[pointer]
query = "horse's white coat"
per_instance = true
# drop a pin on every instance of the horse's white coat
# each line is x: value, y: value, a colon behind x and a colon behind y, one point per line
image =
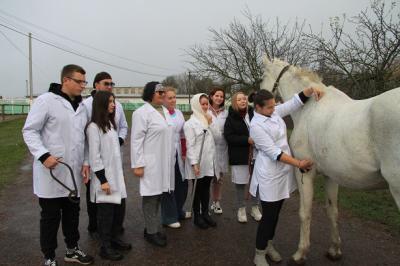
x: 353, y: 143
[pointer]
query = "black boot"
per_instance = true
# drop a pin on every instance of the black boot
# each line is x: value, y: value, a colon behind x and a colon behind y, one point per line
x: 160, y: 234
x: 207, y: 218
x: 118, y: 244
x: 155, y: 239
x: 109, y: 253
x: 199, y: 221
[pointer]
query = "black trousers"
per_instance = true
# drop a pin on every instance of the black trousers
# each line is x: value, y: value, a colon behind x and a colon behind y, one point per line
x: 109, y: 221
x: 180, y: 192
x: 267, y: 225
x: 53, y: 211
x: 202, y: 194
x: 91, y: 210
x: 169, y: 212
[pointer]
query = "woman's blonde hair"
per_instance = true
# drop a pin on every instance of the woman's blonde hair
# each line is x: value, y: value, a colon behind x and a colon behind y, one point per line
x: 169, y: 88
x: 234, y: 100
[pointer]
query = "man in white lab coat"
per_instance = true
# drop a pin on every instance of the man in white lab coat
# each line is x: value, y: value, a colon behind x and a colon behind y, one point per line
x: 53, y: 132
x: 103, y: 82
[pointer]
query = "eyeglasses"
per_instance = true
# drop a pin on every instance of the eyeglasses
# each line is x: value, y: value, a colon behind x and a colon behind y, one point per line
x: 109, y: 84
x: 160, y: 92
x: 80, y: 82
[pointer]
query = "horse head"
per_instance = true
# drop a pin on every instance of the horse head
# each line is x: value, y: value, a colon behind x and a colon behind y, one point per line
x: 284, y: 79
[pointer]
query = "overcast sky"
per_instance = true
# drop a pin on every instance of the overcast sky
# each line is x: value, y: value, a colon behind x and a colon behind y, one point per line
x: 148, y: 31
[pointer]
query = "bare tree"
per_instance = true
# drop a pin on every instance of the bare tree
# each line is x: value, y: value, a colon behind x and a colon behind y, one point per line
x: 186, y: 84
x: 365, y: 59
x: 234, y: 55
x: 172, y: 81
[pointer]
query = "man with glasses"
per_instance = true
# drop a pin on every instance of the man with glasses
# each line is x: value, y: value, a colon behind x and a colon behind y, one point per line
x: 103, y: 82
x: 54, y: 132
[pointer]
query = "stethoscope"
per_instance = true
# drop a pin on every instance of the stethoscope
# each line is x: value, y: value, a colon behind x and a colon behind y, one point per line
x: 73, y: 193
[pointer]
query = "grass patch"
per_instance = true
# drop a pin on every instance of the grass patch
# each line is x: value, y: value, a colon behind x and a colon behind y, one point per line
x: 12, y: 149
x: 128, y: 116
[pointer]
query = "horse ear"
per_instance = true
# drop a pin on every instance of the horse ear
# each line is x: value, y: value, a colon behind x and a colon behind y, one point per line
x: 266, y: 60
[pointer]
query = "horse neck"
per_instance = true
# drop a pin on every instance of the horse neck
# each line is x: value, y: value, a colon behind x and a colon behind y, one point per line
x: 290, y: 85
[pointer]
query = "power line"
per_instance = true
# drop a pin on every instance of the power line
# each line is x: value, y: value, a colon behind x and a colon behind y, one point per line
x: 22, y: 52
x: 84, y: 56
x: 86, y: 45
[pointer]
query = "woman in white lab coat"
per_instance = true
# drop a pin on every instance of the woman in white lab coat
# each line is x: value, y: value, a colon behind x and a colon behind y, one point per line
x: 172, y: 202
x: 200, y: 158
x: 152, y: 153
x: 218, y: 113
x: 103, y: 82
x: 273, y: 175
x: 108, y: 190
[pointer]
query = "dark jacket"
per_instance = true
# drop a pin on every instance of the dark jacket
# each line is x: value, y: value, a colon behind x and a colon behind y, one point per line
x: 236, y: 134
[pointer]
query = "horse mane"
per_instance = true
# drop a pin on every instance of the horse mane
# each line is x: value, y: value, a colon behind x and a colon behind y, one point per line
x: 307, y: 74
x: 300, y: 73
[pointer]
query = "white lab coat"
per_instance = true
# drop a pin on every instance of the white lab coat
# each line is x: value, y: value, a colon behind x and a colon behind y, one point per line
x: 53, y: 126
x: 178, y: 120
x: 221, y: 147
x: 152, y: 147
x: 104, y: 153
x: 120, y: 122
x: 120, y: 119
x: 194, y: 133
x: 274, y: 180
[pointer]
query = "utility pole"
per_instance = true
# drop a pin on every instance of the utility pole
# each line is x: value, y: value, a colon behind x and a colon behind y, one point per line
x: 30, y: 70
x: 27, y: 88
x: 189, y: 87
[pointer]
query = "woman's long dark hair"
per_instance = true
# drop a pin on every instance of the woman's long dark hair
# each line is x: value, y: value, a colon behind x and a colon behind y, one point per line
x: 100, y: 115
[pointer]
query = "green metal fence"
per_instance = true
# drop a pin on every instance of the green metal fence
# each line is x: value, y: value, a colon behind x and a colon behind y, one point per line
x: 133, y: 106
x: 8, y: 108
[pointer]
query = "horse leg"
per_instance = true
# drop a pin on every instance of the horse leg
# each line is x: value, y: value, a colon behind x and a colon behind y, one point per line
x: 306, y: 190
x: 395, y: 191
x: 390, y: 173
x: 331, y: 189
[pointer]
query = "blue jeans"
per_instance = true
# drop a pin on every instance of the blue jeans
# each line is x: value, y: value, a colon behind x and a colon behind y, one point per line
x: 172, y: 202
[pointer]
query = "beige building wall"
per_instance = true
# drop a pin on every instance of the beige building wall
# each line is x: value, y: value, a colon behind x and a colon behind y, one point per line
x: 119, y: 91
x: 133, y: 95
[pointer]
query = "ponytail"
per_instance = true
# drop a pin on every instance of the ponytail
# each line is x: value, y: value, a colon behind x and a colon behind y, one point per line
x: 260, y: 97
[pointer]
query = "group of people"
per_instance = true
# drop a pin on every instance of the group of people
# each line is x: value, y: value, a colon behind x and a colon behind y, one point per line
x: 166, y: 152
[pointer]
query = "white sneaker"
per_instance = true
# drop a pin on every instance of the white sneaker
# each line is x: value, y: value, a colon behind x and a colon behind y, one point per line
x: 241, y: 215
x: 216, y: 207
x: 50, y: 262
x: 255, y: 213
x: 188, y: 215
x: 272, y: 253
x: 259, y: 258
x: 174, y: 225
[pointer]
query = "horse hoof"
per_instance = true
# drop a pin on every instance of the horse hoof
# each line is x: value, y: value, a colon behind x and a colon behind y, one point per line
x: 335, y: 257
x: 293, y: 262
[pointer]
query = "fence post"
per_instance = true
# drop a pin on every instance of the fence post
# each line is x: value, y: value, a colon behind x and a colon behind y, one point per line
x: 2, y: 112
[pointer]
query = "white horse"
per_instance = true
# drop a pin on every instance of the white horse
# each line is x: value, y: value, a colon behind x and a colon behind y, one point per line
x: 353, y: 143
